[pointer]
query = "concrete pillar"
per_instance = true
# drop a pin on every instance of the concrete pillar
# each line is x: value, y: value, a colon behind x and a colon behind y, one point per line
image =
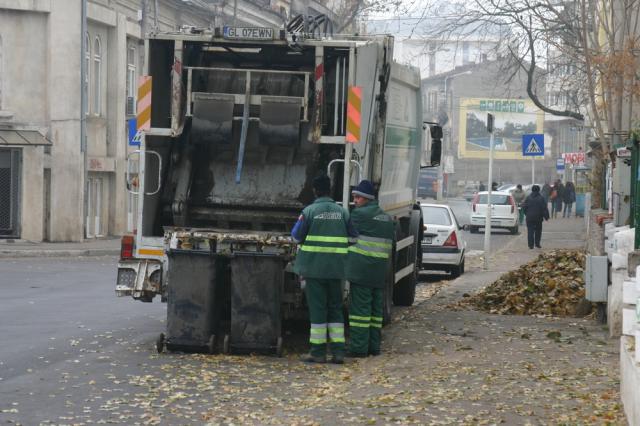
x: 67, y: 160
x: 32, y: 193
x: 117, y: 132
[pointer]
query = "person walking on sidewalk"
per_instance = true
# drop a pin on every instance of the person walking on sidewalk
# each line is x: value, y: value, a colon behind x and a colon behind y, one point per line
x: 322, y: 230
x: 569, y: 198
x: 367, y: 267
x: 557, y: 195
x: 519, y: 196
x: 546, y: 192
x: 536, y: 211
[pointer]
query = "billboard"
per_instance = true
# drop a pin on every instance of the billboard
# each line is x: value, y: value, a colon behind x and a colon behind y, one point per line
x: 513, y: 118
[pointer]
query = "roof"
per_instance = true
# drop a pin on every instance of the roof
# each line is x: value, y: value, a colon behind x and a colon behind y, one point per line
x: 22, y: 137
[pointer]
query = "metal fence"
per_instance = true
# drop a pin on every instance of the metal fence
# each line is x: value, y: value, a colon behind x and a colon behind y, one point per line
x: 9, y: 193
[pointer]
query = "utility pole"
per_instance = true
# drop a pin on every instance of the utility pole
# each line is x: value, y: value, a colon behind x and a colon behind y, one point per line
x: 84, y: 88
x: 487, y: 223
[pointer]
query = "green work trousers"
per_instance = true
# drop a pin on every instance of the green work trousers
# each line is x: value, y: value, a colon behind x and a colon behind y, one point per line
x: 324, y: 297
x: 365, y: 319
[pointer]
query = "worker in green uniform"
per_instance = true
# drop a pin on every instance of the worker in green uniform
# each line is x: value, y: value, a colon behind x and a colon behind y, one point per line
x: 367, y: 268
x: 322, y: 230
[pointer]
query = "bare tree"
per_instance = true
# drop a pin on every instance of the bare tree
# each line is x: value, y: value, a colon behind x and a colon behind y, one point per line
x: 587, y: 47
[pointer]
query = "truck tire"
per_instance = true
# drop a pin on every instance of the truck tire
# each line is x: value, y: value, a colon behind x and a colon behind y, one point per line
x: 404, y: 293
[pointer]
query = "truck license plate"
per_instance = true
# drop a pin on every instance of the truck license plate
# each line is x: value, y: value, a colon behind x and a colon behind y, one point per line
x: 247, y: 33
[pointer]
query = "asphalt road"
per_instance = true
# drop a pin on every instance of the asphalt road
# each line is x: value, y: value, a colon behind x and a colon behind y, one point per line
x: 62, y: 330
x: 462, y: 209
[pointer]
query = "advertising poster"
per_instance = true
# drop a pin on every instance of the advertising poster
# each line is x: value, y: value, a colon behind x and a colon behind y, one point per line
x: 513, y: 118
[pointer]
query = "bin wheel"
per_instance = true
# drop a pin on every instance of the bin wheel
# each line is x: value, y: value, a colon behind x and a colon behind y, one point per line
x: 225, y: 344
x: 279, y: 347
x: 160, y: 343
x: 211, y: 344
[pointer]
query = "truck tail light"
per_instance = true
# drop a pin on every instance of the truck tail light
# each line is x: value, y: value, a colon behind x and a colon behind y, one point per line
x: 452, y: 241
x: 127, y: 245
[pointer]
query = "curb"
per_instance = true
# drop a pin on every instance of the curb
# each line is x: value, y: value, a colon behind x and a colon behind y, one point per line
x: 8, y: 254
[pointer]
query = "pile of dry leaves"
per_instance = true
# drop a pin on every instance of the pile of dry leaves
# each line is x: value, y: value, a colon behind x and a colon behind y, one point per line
x: 552, y: 284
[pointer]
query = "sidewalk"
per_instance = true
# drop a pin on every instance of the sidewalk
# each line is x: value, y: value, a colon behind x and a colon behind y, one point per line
x: 22, y: 248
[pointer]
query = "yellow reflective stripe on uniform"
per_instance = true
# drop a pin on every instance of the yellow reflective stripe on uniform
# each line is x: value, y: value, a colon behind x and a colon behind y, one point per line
x: 374, y: 244
x: 320, y: 249
x: 326, y: 239
x: 358, y: 250
x: 356, y: 317
x: 376, y: 319
x: 374, y: 325
x: 375, y: 239
x: 318, y: 333
x: 318, y: 341
x: 336, y: 340
x: 358, y: 324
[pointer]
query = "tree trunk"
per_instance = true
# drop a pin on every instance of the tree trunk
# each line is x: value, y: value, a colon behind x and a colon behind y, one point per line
x: 597, y: 182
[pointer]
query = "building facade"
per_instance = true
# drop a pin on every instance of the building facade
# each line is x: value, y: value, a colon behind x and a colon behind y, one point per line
x: 455, y: 99
x: 53, y: 186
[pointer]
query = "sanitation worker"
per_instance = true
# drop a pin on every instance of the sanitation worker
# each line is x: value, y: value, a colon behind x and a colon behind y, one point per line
x: 322, y: 230
x: 367, y: 266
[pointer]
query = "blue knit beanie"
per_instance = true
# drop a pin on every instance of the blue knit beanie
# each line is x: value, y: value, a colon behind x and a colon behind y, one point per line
x: 365, y: 190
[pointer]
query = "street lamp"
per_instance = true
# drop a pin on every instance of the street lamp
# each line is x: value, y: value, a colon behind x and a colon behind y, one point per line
x: 447, y: 149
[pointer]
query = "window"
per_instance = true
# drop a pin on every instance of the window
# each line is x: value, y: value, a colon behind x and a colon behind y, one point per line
x: 495, y: 199
x: 436, y: 216
x: 131, y: 81
x: 87, y: 68
x: 465, y: 52
x: 97, y: 77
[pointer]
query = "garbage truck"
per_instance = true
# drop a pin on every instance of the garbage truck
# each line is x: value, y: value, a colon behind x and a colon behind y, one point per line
x: 239, y: 123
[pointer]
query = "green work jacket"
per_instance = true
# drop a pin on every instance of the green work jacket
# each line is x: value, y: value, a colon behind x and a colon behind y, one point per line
x: 369, y: 259
x: 323, y: 252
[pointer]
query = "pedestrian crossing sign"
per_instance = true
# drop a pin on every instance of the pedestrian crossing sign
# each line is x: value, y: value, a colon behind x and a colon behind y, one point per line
x: 533, y: 145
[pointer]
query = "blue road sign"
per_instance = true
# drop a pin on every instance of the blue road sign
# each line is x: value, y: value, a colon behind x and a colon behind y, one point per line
x: 132, y: 131
x: 560, y: 164
x: 533, y: 145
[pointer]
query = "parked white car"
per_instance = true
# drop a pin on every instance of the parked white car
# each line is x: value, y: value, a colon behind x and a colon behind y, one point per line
x: 443, y: 245
x: 504, y: 213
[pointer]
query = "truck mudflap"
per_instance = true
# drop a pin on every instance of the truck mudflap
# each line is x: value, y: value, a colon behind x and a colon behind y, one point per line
x: 139, y: 278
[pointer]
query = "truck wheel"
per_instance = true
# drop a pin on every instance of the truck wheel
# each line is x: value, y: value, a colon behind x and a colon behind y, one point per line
x: 404, y: 292
x: 225, y: 345
x: 160, y: 343
x: 211, y: 344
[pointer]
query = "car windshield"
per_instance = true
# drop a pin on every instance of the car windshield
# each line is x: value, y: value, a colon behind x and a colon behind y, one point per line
x: 495, y: 199
x: 505, y: 186
x: 436, y: 215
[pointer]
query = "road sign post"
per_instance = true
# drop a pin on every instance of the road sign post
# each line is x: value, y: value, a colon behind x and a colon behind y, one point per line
x: 533, y: 146
x: 487, y: 223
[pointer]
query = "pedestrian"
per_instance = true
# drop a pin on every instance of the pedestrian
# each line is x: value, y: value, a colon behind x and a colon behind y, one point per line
x: 559, y: 188
x: 367, y: 266
x: 494, y: 186
x: 569, y: 198
x: 546, y: 192
x: 322, y: 230
x: 481, y: 187
x: 536, y: 211
x: 519, y: 196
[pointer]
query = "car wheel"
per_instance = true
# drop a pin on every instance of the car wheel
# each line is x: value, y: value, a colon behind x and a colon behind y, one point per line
x: 457, y: 270
x: 514, y: 230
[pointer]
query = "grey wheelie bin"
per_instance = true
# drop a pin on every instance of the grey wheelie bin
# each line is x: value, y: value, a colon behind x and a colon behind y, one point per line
x: 192, y: 314
x: 256, y: 296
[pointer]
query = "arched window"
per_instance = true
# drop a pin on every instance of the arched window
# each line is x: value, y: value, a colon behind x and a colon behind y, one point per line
x: 97, y: 77
x: 87, y: 66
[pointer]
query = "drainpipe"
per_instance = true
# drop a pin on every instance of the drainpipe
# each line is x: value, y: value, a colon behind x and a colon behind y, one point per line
x: 83, y: 116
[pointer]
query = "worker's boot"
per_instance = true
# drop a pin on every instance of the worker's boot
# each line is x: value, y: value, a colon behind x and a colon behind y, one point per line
x: 314, y: 359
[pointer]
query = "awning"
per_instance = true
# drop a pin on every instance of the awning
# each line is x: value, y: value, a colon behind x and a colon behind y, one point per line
x: 22, y: 137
